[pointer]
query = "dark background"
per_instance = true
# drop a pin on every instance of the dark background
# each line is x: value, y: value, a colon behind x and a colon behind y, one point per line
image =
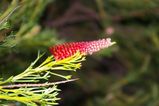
x: 126, y: 74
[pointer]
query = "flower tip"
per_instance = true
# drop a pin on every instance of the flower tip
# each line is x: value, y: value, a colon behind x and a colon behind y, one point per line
x: 68, y: 49
x: 113, y: 43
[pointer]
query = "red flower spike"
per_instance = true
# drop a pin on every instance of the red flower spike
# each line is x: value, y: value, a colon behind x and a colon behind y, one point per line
x: 68, y: 49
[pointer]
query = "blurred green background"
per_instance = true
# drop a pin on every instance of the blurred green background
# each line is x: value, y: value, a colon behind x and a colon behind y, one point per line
x: 126, y: 74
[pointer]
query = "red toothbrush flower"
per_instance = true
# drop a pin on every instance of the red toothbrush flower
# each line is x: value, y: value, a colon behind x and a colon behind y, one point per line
x: 68, y: 49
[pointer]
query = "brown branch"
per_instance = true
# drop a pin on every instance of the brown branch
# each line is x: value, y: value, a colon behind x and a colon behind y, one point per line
x: 136, y: 14
x: 76, y: 13
x: 38, y: 85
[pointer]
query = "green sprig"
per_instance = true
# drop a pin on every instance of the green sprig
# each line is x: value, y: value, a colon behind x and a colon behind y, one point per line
x: 29, y: 91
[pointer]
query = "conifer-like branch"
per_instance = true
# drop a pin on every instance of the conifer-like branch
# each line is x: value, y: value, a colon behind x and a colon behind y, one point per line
x: 30, y: 93
x: 38, y: 85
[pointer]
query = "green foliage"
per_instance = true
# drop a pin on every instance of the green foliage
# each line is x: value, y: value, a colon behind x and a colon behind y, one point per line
x: 31, y: 96
x: 19, y: 29
x: 27, y: 25
x: 125, y: 75
x: 29, y: 90
x: 5, y: 25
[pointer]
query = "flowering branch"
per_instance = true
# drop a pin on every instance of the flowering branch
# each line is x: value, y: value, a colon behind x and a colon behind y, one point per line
x: 29, y: 91
x: 67, y: 57
x: 68, y: 49
x: 46, y: 68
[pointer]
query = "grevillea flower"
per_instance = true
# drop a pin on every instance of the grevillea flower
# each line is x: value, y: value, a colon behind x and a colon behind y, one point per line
x: 62, y: 51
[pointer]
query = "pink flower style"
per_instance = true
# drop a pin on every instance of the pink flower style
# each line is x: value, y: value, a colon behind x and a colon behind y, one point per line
x: 65, y: 50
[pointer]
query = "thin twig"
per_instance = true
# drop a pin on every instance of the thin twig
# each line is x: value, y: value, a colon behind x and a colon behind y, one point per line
x: 38, y: 85
x: 5, y: 18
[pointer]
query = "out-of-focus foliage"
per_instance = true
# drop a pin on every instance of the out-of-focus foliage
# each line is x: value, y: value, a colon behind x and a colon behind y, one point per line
x: 23, y: 16
x: 125, y: 75
x: 135, y: 62
x: 128, y: 73
x: 21, y: 33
